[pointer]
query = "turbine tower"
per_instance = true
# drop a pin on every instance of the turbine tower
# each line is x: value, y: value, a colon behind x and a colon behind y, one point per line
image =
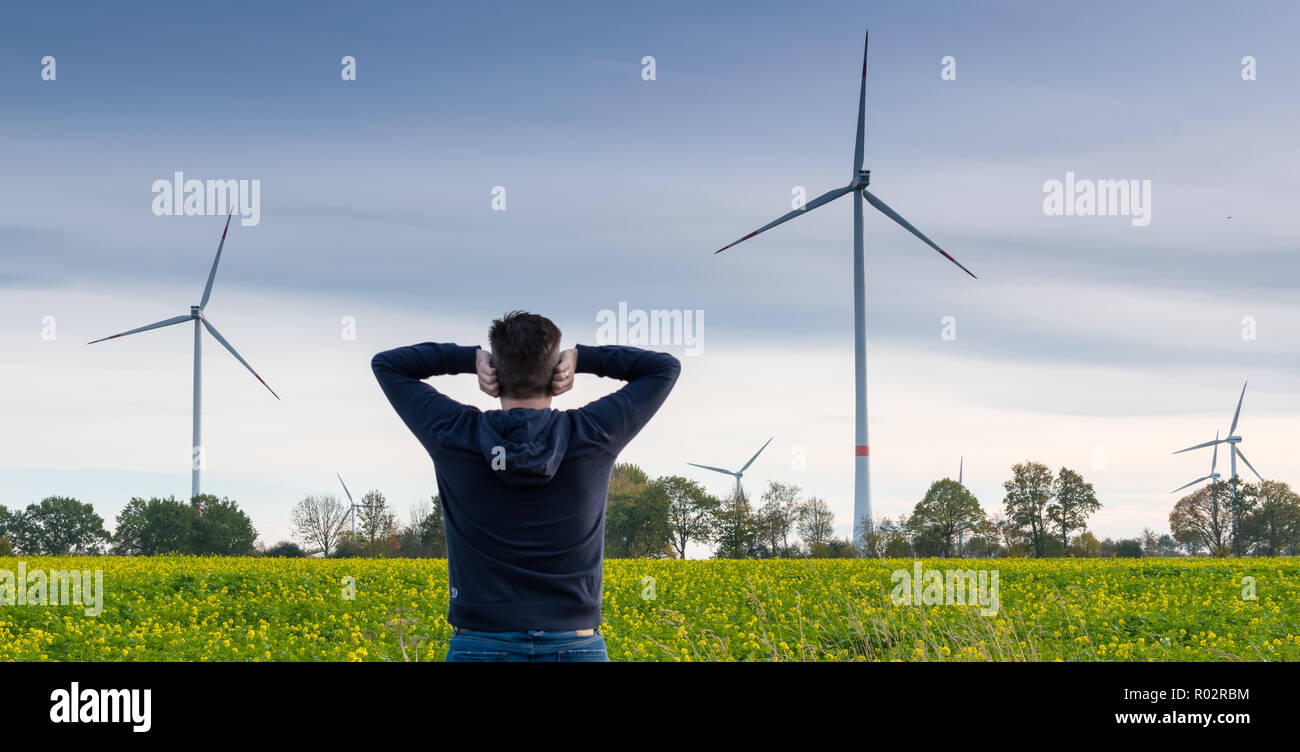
x: 858, y: 188
x: 740, y: 492
x: 200, y: 323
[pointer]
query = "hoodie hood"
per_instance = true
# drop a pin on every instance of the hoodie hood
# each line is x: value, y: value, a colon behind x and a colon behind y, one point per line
x: 531, y: 443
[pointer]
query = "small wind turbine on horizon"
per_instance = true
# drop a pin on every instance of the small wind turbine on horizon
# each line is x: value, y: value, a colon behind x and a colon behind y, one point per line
x: 352, y: 505
x: 858, y: 187
x: 200, y: 323
x: 740, y: 492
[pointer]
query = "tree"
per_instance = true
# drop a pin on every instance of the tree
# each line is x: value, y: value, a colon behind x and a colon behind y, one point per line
x: 285, y: 549
x: 1085, y: 544
x: 1128, y: 548
x: 778, y: 515
x: 945, y: 516
x: 691, y: 512
x: 1028, y: 493
x: 1204, y: 518
x: 376, y: 521
x: 155, y: 526
x: 627, y: 479
x: 637, y: 521
x: 1073, y: 501
x: 58, y: 526
x: 733, y: 528
x: 222, y: 528
x: 318, y: 522
x: 816, y: 523
x: 1273, y: 525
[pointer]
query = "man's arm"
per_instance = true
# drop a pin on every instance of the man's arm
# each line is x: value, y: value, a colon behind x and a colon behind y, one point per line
x: 650, y: 377
x: 425, y: 410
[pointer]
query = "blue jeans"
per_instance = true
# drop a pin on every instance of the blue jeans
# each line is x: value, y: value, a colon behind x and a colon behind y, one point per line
x: 532, y: 646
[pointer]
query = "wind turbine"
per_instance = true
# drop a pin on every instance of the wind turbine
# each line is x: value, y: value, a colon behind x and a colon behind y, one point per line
x: 858, y: 188
x: 739, y: 473
x: 1213, y: 476
x: 1234, y: 451
x: 352, y: 505
x: 961, y: 465
x: 200, y: 323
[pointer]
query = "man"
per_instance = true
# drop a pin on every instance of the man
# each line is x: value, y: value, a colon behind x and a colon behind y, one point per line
x: 523, y: 488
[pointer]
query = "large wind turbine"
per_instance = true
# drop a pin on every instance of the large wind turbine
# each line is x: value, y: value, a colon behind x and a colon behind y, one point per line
x: 1234, y: 451
x: 739, y: 473
x: 858, y: 188
x: 200, y: 322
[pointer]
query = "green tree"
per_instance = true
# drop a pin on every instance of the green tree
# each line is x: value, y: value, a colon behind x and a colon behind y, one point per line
x: 637, y: 520
x: 627, y: 479
x: 154, y: 526
x: 59, y: 526
x: 222, y: 528
x: 692, y: 512
x: 1028, y: 493
x: 376, y: 521
x: 1273, y: 524
x: 947, y: 514
x: 1073, y: 501
x: 734, y: 528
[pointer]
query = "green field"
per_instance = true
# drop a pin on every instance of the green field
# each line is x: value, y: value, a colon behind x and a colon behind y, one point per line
x: 237, y: 609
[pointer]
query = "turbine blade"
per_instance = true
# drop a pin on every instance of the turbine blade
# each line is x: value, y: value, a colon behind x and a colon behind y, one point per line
x: 1252, y: 467
x: 826, y: 197
x: 884, y: 208
x: 212, y: 275
x: 1237, y: 414
x: 714, y: 469
x: 345, y: 488
x: 158, y: 325
x: 1198, y: 480
x: 1201, y: 446
x: 1215, y: 461
x: 751, y: 459
x: 862, y: 111
x: 213, y: 331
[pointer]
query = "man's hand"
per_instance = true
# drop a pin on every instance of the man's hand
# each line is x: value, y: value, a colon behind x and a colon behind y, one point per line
x: 487, y: 375
x: 562, y: 378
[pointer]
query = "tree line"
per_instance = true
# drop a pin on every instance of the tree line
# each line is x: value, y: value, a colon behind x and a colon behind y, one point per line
x: 64, y: 526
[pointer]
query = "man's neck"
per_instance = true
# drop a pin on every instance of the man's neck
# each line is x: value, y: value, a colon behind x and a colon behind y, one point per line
x: 532, y: 403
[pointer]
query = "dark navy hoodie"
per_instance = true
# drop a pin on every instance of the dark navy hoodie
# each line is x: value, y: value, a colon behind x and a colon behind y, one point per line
x: 523, y: 491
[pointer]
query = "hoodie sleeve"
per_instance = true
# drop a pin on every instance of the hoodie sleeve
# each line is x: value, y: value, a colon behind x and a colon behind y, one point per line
x: 425, y: 410
x: 650, y: 376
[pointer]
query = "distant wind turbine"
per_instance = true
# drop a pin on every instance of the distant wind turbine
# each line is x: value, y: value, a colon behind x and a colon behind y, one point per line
x: 739, y: 473
x: 352, y: 505
x: 1232, y: 440
x: 200, y: 323
x: 960, y: 467
x: 858, y: 187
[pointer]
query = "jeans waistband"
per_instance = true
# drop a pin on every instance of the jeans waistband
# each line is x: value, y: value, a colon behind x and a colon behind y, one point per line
x: 524, y: 632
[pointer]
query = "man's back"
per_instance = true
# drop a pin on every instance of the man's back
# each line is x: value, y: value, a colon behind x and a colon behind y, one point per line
x: 523, y: 490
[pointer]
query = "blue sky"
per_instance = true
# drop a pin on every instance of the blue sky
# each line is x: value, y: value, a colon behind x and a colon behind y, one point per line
x: 1081, y: 333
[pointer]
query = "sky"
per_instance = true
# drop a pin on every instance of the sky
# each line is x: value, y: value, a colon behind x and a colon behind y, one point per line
x: 1087, y: 341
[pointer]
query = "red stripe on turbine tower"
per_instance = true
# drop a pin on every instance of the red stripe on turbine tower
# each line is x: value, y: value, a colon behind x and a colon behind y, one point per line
x: 862, y: 450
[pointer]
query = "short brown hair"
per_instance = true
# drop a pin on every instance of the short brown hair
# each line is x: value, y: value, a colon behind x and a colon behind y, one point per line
x: 525, y: 349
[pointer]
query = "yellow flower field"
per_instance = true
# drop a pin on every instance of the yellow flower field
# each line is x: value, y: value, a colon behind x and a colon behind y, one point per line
x: 234, y: 609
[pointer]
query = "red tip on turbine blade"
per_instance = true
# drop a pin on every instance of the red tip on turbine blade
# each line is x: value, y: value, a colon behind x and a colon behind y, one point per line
x: 862, y: 450
x: 268, y: 386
